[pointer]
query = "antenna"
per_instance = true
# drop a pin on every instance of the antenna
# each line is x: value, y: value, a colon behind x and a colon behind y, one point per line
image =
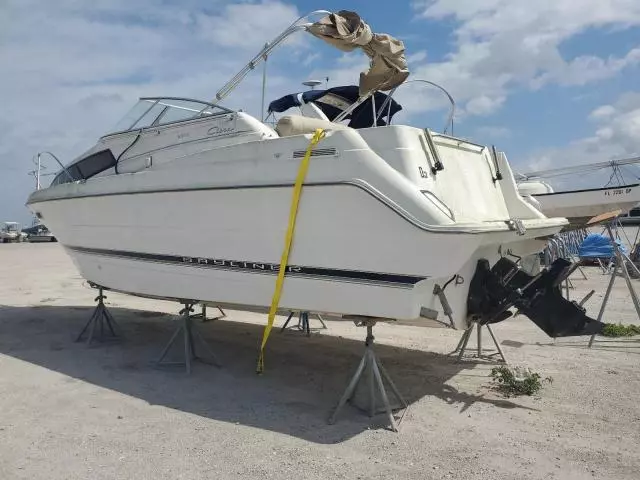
x: 264, y: 81
x: 312, y: 83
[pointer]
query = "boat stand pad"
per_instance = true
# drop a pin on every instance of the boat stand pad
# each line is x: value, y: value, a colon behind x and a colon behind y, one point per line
x: 371, y: 367
x: 303, y: 322
x: 189, y: 333
x: 464, y: 340
x: 100, y: 318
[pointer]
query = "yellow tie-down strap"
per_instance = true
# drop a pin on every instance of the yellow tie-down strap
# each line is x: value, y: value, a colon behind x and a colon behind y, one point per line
x: 297, y: 191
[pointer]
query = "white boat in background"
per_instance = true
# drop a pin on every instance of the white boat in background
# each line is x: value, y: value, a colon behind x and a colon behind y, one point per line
x: 390, y: 215
x: 10, y: 232
x: 39, y: 234
x: 578, y: 206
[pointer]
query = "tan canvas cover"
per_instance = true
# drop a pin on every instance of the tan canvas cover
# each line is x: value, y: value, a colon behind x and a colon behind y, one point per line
x: 346, y: 30
x: 297, y: 125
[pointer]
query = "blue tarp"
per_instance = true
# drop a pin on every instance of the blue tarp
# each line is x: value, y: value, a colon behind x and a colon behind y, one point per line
x: 596, y: 245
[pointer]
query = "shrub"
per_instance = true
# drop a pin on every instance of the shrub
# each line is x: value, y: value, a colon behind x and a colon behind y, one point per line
x: 619, y: 330
x: 517, y: 381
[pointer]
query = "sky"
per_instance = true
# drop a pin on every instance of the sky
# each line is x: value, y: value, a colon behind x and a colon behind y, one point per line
x: 552, y: 83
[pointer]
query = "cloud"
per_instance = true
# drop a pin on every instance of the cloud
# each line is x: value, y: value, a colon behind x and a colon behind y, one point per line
x: 492, y: 132
x: 604, y: 111
x: 616, y: 135
x: 587, y: 69
x: 484, y: 104
x: 240, y: 25
x: 502, y: 45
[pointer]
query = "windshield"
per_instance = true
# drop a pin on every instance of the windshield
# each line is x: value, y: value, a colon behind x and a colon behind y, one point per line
x: 161, y: 111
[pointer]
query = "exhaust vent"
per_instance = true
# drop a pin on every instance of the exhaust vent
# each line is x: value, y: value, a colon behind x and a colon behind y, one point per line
x: 318, y: 152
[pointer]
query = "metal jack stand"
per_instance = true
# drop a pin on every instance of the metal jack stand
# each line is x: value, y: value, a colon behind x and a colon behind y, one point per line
x: 303, y: 322
x: 375, y: 373
x: 203, y: 315
x: 568, y: 283
x: 622, y: 261
x: 189, y: 331
x: 100, y: 317
x: 464, y: 340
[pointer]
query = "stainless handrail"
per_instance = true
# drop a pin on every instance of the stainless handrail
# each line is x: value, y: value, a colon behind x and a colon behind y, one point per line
x: 59, y: 163
x: 451, y: 100
x: 296, y: 26
x: 186, y: 99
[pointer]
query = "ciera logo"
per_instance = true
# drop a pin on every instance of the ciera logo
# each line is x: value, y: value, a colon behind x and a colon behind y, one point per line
x: 268, y: 267
x: 219, y: 130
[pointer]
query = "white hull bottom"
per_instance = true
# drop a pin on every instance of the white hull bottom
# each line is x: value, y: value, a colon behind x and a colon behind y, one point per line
x: 247, y: 287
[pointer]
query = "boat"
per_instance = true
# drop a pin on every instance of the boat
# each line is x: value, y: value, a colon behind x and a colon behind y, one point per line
x: 10, y: 233
x: 580, y: 205
x: 632, y: 217
x: 394, y: 223
x: 39, y: 234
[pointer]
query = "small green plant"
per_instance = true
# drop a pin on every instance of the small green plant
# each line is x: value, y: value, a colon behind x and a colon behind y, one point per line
x: 513, y: 381
x: 619, y: 330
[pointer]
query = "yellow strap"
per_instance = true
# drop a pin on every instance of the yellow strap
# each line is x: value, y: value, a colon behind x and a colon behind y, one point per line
x: 297, y: 190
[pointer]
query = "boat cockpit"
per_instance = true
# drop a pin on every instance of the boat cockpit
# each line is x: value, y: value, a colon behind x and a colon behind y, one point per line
x: 330, y: 103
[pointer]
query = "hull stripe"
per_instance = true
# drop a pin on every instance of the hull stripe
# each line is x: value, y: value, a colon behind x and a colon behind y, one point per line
x: 245, y: 266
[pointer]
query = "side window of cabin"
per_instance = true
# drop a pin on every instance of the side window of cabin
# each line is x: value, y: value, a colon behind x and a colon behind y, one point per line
x: 86, y: 167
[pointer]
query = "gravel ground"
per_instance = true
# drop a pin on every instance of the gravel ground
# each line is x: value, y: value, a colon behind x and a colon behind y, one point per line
x: 69, y: 411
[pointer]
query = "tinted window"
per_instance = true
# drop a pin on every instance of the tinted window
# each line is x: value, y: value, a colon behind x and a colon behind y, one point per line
x: 87, y: 167
x: 96, y: 163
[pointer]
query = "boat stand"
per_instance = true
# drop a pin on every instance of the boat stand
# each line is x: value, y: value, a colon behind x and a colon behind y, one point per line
x: 189, y: 332
x: 464, y: 340
x: 100, y: 318
x: 203, y: 314
x: 621, y: 263
x: 303, y: 322
x: 375, y: 374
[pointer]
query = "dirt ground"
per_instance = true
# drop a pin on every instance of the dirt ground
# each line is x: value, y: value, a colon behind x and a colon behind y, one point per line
x: 72, y: 411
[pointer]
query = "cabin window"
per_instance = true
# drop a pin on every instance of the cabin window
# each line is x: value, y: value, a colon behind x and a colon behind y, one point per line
x: 86, y: 167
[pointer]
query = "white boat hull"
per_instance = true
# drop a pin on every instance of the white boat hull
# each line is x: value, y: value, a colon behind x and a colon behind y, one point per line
x: 579, y: 206
x: 354, y: 262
